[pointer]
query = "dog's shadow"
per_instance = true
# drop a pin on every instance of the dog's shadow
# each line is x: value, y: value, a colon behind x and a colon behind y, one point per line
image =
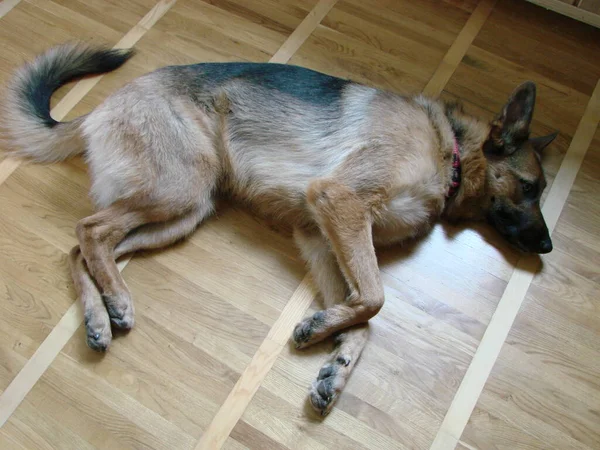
x: 387, y: 256
x: 396, y: 254
x: 404, y: 251
x: 491, y: 237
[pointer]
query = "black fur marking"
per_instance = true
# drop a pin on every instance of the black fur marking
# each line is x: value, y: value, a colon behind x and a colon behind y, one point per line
x: 52, y: 73
x: 457, y: 127
x: 303, y: 84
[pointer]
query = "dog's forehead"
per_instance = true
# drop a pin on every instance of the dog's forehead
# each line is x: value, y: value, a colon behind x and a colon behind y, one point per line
x: 527, y: 162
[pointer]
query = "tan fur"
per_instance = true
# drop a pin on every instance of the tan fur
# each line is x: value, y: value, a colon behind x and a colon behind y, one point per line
x: 374, y: 171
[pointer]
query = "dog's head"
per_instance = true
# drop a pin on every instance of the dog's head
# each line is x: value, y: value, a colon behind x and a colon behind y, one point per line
x: 515, y: 180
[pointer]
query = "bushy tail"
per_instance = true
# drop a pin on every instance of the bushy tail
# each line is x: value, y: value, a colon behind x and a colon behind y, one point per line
x: 30, y: 130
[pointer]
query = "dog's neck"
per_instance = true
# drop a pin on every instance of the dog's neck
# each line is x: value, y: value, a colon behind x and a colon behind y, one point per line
x: 456, y: 176
x: 470, y: 133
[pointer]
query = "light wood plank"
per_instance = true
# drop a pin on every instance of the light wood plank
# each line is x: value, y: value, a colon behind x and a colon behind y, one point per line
x: 7, y: 167
x: 205, y: 306
x: 14, y: 394
x: 82, y: 87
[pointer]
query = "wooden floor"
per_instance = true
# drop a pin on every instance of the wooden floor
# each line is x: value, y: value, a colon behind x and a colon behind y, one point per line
x: 475, y: 348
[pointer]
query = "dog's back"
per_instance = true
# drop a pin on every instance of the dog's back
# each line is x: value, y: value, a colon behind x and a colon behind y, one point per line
x: 271, y: 129
x: 268, y: 129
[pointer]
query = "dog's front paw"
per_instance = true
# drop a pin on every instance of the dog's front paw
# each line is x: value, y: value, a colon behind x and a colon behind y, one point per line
x: 328, y: 385
x: 308, y: 331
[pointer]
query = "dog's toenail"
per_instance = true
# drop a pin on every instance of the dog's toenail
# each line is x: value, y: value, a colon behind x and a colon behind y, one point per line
x: 343, y: 360
x: 97, y: 336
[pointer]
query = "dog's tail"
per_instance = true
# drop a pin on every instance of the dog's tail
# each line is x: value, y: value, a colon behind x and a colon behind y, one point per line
x: 29, y: 129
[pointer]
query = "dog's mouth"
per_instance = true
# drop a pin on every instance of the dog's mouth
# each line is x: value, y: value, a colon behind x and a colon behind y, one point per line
x: 528, y: 241
x: 518, y: 244
x: 522, y: 247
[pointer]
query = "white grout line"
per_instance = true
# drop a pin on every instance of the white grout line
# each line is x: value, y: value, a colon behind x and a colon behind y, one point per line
x: 302, y: 32
x: 242, y: 393
x: 459, y: 48
x: 6, y: 6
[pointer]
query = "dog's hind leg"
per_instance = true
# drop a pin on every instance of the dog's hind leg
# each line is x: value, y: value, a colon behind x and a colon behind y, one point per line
x: 102, y: 232
x: 154, y: 236
x: 97, y: 321
x: 349, y: 343
x: 98, y: 236
x: 147, y: 237
x: 344, y: 218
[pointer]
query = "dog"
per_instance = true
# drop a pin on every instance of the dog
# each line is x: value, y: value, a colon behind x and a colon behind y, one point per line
x: 348, y: 167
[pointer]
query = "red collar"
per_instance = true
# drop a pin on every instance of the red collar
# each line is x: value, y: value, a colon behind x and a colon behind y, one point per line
x: 456, y: 172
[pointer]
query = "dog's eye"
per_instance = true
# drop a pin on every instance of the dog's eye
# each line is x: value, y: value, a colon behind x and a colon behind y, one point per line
x: 527, y: 186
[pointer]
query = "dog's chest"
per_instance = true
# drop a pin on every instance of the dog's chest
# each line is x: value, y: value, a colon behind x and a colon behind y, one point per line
x: 408, y: 214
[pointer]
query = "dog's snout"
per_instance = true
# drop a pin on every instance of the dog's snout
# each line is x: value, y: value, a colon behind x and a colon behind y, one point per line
x: 535, y: 240
x: 546, y: 246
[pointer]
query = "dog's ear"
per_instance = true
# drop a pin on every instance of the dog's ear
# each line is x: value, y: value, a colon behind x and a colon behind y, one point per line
x: 541, y: 142
x: 511, y: 128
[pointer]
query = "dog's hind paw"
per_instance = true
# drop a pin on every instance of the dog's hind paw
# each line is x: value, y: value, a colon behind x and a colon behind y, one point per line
x: 120, y: 312
x: 98, y: 332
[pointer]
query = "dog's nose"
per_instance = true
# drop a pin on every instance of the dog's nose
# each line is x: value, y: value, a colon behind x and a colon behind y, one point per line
x: 546, y: 246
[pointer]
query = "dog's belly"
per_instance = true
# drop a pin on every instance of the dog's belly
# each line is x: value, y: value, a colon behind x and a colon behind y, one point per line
x: 273, y: 181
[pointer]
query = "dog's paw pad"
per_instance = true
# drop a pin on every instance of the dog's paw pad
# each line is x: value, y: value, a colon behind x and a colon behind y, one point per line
x: 343, y: 360
x: 98, y: 342
x: 120, y: 313
x: 125, y: 323
x: 329, y: 383
x: 302, y: 333
x: 305, y: 330
x: 322, y: 395
x: 98, y: 333
x: 328, y: 370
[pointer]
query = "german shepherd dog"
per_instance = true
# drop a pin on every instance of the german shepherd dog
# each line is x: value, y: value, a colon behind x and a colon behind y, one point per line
x: 346, y: 166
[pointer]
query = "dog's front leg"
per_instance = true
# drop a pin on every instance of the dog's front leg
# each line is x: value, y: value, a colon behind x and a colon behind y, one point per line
x: 350, y: 342
x: 344, y: 218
